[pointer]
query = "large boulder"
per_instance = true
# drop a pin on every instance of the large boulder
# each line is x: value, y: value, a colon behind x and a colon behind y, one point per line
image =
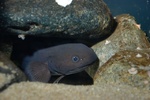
x: 81, y: 18
x: 124, y: 56
x: 35, y: 91
x: 127, y: 36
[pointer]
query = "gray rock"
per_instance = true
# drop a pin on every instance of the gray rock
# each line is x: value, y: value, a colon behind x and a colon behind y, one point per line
x: 9, y: 73
x: 129, y: 67
x: 82, y: 18
x: 36, y: 91
x: 124, y: 56
x: 127, y: 36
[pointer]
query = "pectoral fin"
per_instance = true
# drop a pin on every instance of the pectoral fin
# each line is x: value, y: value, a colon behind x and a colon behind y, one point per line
x: 38, y: 71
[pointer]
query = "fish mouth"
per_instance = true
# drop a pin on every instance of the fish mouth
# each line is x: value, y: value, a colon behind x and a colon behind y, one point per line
x: 79, y: 69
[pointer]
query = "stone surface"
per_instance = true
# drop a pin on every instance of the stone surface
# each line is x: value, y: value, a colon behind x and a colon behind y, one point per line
x: 36, y: 91
x: 9, y: 73
x: 82, y: 18
x: 124, y: 56
x: 127, y: 36
x: 126, y: 67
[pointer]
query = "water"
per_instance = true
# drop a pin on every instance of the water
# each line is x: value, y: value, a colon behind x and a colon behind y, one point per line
x: 140, y: 9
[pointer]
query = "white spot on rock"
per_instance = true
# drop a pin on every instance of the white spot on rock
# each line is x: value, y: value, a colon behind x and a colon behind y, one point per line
x: 146, y: 82
x: 63, y: 3
x: 138, y: 48
x: 138, y: 55
x: 107, y: 42
x: 138, y: 26
x: 133, y: 71
x: 21, y: 36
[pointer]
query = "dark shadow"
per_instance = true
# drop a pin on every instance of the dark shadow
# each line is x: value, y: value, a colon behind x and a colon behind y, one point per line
x: 81, y: 78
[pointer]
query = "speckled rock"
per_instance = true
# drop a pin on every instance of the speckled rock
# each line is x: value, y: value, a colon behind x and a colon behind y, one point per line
x: 124, y: 56
x: 9, y: 73
x: 81, y: 18
x: 126, y: 67
x: 36, y: 91
x: 127, y: 36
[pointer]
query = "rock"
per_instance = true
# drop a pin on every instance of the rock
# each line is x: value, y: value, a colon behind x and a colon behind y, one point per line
x: 124, y: 56
x: 127, y: 36
x: 35, y: 91
x: 92, y: 69
x: 9, y: 73
x: 130, y: 67
x: 80, y: 18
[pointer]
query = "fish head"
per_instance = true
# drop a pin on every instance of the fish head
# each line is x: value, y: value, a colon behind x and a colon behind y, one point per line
x: 70, y: 58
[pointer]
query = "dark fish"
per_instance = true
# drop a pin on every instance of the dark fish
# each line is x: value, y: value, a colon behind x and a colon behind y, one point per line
x: 58, y: 60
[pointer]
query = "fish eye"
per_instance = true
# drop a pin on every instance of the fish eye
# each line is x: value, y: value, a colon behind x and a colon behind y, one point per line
x: 75, y: 59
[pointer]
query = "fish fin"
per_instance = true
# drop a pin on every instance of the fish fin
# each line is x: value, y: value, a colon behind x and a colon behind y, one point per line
x: 59, y: 78
x: 38, y: 71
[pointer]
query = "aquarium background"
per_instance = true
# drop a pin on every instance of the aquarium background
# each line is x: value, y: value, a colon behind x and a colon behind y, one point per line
x: 140, y: 9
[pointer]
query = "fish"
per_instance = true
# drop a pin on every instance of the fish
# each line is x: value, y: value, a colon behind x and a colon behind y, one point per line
x: 64, y: 59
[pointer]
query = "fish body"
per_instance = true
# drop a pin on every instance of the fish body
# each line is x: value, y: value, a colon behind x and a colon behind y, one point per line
x: 58, y: 60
